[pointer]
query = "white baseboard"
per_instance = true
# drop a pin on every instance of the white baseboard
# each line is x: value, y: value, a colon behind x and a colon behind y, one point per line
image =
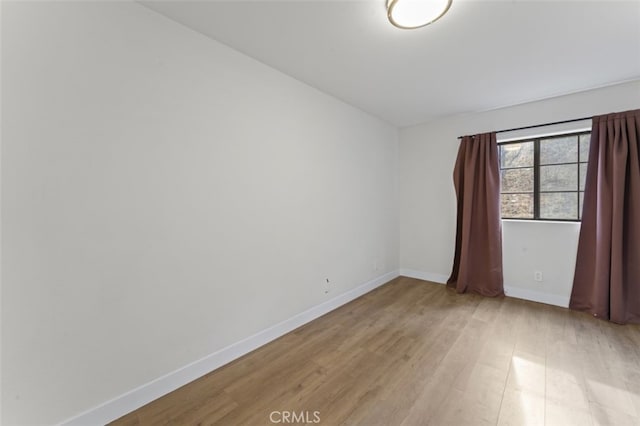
x: 536, y: 296
x: 517, y: 292
x: 425, y: 276
x: 153, y: 390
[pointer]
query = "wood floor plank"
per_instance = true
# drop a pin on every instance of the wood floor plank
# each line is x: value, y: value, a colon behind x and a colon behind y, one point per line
x: 416, y: 353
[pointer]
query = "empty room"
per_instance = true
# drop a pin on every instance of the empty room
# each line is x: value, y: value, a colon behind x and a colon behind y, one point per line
x: 320, y: 212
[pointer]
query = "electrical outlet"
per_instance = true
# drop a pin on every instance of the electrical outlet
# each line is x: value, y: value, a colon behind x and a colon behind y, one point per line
x: 327, y: 287
x: 537, y: 276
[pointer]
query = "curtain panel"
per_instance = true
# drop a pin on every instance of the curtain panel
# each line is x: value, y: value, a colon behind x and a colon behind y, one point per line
x: 607, y: 276
x: 477, y: 265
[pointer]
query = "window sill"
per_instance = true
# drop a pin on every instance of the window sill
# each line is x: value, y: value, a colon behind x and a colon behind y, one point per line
x: 561, y: 222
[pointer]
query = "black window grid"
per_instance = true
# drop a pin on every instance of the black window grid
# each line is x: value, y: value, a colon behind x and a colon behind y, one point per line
x: 536, y: 176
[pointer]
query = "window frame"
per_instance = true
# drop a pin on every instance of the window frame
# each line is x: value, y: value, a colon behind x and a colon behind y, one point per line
x: 536, y: 174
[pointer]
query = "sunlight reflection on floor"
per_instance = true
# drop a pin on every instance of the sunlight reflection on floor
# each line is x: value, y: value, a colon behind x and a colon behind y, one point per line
x: 536, y: 394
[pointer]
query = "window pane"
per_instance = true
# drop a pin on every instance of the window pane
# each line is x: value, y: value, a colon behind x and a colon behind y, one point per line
x: 583, y: 175
x: 559, y: 178
x: 584, y: 147
x: 516, y: 155
x: 517, y: 206
x: 581, y: 203
x: 559, y: 205
x: 517, y: 180
x: 559, y: 150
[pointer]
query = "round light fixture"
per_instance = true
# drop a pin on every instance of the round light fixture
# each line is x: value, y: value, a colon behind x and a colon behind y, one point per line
x: 409, y: 14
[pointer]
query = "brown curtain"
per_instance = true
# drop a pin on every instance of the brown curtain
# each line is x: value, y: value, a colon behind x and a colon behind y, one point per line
x: 607, y: 278
x: 477, y: 264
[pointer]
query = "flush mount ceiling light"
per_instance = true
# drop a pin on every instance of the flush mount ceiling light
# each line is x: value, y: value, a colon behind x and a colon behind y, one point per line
x: 409, y: 14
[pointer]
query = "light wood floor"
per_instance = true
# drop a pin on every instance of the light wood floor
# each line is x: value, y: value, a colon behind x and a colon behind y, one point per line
x: 414, y: 353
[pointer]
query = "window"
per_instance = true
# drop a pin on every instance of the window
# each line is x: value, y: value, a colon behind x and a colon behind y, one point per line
x: 543, y: 178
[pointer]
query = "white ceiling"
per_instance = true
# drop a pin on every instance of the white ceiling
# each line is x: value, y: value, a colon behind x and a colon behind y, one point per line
x: 481, y: 55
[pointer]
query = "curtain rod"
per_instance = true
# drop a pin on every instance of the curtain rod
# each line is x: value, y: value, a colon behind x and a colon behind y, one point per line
x: 540, y: 125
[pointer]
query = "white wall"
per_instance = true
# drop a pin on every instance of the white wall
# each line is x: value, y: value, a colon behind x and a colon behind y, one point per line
x: 549, y: 247
x: 427, y: 195
x: 164, y: 196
